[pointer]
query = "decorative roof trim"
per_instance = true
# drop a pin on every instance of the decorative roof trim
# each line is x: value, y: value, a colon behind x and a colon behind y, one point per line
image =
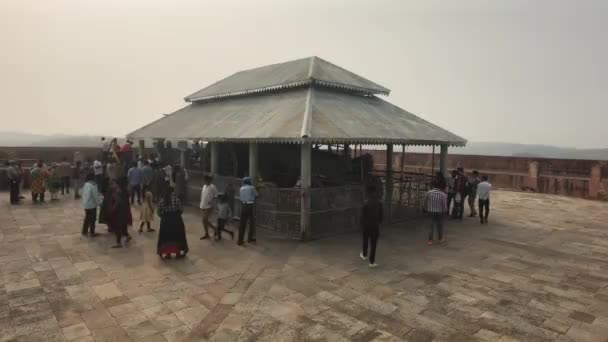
x: 364, y: 141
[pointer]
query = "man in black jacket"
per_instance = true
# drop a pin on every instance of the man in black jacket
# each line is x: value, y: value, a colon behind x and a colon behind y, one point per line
x: 371, y: 218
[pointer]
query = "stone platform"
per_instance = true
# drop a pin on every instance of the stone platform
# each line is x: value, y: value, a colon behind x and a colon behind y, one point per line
x: 537, y: 272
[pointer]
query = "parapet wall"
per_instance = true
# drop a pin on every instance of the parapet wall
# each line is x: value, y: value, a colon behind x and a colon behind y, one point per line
x: 567, y: 177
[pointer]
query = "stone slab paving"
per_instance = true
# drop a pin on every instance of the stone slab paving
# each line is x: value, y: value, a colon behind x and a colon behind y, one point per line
x: 537, y: 272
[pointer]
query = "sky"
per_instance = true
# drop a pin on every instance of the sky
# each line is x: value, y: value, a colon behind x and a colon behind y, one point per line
x: 509, y: 71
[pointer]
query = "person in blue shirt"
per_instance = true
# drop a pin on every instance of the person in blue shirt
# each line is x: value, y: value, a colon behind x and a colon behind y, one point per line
x: 248, y: 195
x: 90, y: 201
x: 135, y: 176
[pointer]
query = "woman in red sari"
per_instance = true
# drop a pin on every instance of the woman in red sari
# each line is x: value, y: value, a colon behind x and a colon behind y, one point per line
x: 119, y: 212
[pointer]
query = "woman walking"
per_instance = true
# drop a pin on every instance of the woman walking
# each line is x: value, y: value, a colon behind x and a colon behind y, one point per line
x: 119, y: 214
x: 172, y: 235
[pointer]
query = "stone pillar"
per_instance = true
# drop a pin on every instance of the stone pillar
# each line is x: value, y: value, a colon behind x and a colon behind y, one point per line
x: 595, y: 183
x: 182, y: 158
x: 443, y: 160
x: 532, y: 182
x: 388, y: 192
x: 253, y: 162
x: 305, y: 184
x: 215, y: 154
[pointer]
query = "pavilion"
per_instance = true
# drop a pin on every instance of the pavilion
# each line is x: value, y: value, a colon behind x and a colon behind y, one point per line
x: 303, y: 102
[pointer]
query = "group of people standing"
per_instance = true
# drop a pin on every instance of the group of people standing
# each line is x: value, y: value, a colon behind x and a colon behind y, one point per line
x: 437, y: 201
x: 456, y: 190
x: 54, y: 178
x: 222, y: 203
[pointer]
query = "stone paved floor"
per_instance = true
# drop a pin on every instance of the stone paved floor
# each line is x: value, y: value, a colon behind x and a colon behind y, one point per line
x: 538, y: 272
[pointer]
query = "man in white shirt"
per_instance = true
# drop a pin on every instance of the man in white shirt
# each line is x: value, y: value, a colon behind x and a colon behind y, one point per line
x: 483, y: 194
x: 208, y: 199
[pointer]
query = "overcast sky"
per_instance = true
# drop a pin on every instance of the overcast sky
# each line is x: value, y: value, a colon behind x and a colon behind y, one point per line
x: 510, y: 71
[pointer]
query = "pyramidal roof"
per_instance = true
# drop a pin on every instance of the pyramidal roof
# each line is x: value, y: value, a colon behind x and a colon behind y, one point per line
x: 296, y: 73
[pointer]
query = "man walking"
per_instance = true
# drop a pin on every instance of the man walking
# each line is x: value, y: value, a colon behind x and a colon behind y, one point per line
x: 13, y: 180
x: 135, y: 180
x: 248, y: 195
x: 436, y: 205
x: 65, y: 169
x: 483, y: 193
x: 208, y: 199
x: 371, y: 218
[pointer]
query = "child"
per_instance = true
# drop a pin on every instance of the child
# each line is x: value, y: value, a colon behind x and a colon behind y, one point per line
x: 146, y: 213
x: 224, y: 215
x: 90, y: 201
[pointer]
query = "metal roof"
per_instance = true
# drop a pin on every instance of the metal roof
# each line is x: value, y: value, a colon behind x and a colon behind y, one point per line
x: 313, y: 114
x: 297, y: 73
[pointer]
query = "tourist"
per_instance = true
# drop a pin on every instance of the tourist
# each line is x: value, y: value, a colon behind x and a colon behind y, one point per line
x: 147, y: 173
x: 140, y: 162
x: 38, y: 178
x: 180, y: 180
x: 168, y: 169
x: 436, y: 205
x: 20, y: 173
x: 460, y: 188
x: 135, y: 180
x: 105, y: 149
x: 55, y: 181
x: 105, y: 203
x: 90, y: 201
x: 371, y: 218
x: 119, y: 213
x: 483, y: 194
x: 78, y: 178
x: 146, y: 212
x: 172, y: 234
x: 451, y: 192
x: 98, y: 174
x: 111, y: 169
x: 208, y: 198
x: 158, y: 184
x: 126, y: 156
x: 248, y: 194
x: 472, y: 193
x: 224, y: 214
x: 65, y: 170
x: 13, y: 180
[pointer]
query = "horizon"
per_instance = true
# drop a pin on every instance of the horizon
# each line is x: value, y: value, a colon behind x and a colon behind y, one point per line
x: 108, y: 136
x: 518, y: 72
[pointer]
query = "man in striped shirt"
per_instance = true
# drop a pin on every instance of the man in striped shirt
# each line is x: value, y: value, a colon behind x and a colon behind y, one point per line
x: 436, y: 205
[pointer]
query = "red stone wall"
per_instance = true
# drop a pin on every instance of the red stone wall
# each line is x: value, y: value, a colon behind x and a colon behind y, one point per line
x: 568, y: 177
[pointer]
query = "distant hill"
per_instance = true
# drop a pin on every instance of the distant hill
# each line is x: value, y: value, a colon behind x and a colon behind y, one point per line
x: 59, y: 140
x: 537, y: 151
x: 473, y: 148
